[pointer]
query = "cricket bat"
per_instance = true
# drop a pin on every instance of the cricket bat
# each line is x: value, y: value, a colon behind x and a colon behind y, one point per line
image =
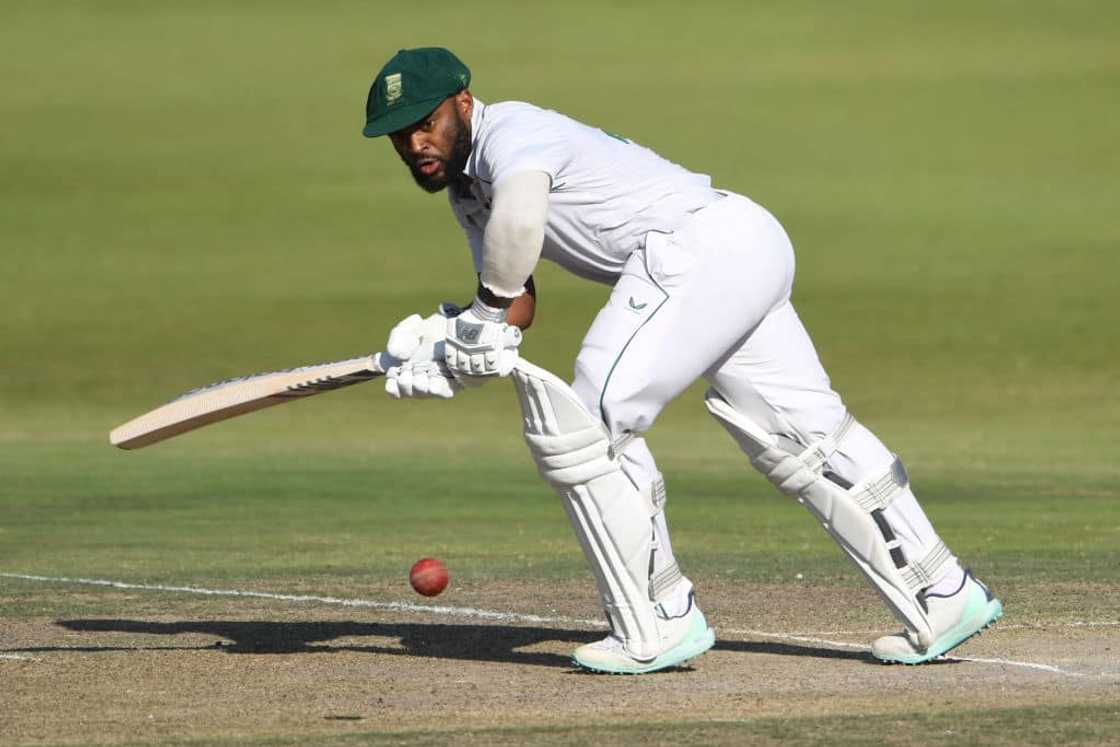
x: 229, y: 398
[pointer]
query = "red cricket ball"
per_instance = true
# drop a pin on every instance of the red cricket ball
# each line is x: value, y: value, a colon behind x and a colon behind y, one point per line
x: 428, y: 576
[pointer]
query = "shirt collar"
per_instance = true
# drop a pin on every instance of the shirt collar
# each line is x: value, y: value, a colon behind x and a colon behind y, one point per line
x: 478, y: 118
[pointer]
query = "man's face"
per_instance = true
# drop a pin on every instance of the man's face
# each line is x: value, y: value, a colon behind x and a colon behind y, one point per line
x: 436, y: 148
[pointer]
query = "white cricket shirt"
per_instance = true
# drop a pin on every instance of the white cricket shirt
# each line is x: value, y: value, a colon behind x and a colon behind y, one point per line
x: 607, y: 192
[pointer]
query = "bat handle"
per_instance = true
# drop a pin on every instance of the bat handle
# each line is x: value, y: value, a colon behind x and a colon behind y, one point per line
x: 382, y: 362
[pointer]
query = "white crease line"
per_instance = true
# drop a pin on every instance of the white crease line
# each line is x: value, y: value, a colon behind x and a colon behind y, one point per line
x: 863, y: 647
x: 477, y: 613
x: 17, y: 657
x: 1070, y: 624
x: 1002, y: 626
x: 389, y: 606
x: 1025, y: 664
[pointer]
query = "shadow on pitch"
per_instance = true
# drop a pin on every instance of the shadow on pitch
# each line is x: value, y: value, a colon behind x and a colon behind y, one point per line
x: 496, y: 643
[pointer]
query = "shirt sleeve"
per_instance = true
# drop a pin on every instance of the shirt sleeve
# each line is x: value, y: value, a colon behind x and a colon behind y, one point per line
x: 513, y: 238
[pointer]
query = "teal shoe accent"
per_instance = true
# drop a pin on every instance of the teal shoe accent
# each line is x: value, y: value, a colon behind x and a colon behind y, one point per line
x: 979, y: 615
x: 700, y: 638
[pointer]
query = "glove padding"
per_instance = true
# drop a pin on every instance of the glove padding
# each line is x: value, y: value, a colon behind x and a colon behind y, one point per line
x: 421, y: 380
x: 416, y: 338
x: 475, y: 347
x: 418, y: 344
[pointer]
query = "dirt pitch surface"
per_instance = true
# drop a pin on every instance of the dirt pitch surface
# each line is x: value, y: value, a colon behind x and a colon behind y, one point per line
x: 181, y: 665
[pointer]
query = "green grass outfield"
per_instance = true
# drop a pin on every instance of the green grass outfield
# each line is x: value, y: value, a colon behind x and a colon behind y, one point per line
x: 1077, y: 725
x: 185, y: 196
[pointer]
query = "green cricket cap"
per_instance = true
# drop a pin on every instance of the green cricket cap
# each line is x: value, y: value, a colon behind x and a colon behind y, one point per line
x: 411, y: 86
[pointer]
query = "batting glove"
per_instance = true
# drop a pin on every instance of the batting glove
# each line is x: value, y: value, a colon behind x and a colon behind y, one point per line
x: 417, y: 345
x: 479, y: 343
x: 421, y: 380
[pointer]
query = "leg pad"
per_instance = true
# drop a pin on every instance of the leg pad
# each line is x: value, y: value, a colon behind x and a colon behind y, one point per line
x: 851, y: 513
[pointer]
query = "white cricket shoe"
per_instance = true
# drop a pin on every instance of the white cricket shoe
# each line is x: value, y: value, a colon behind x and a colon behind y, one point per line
x: 683, y: 638
x: 954, y: 617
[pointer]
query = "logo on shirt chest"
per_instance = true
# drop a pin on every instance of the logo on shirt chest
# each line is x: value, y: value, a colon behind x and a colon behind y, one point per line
x: 637, y: 306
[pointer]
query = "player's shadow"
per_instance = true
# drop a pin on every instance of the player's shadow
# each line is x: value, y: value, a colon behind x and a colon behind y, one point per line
x: 495, y: 643
x: 499, y: 643
x: 791, y: 649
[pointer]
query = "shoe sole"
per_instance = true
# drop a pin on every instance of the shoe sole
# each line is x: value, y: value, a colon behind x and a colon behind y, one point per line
x: 951, y: 639
x: 674, y: 657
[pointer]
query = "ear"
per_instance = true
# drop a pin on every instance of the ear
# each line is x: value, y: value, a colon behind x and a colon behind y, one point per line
x: 464, y: 103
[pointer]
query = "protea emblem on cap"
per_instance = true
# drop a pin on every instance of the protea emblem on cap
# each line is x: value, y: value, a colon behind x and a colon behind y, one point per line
x: 393, y: 88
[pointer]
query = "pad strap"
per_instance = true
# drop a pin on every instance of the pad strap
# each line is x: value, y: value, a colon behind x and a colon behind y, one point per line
x: 664, y: 581
x: 878, y: 494
x: 816, y: 455
x: 920, y: 574
x: 619, y: 444
x: 657, y: 495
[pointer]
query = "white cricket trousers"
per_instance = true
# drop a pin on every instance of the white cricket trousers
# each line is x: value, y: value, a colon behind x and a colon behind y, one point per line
x: 712, y: 300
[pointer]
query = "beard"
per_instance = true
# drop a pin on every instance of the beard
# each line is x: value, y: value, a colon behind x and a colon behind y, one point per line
x: 453, y: 165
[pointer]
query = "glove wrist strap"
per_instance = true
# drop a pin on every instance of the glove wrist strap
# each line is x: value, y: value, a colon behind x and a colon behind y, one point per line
x: 487, y: 312
x: 492, y: 299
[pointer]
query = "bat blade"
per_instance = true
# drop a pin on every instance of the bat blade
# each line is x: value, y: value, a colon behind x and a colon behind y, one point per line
x: 229, y: 398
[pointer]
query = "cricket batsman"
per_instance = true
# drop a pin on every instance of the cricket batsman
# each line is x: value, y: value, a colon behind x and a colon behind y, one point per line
x: 701, y: 280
